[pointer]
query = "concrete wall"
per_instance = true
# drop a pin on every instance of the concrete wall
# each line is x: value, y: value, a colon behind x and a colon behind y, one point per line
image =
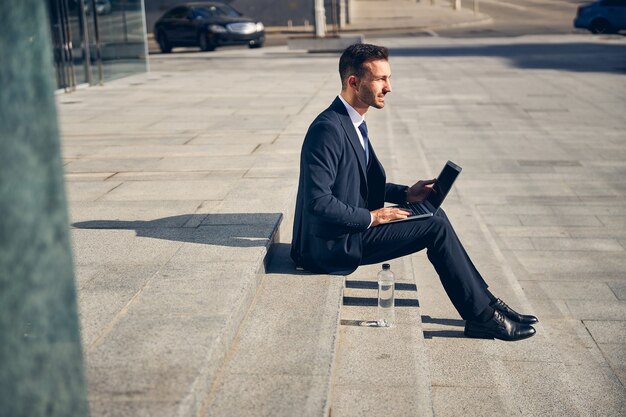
x: 41, y: 358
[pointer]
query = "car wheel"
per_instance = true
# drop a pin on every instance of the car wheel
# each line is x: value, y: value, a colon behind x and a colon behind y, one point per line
x: 164, y: 43
x: 255, y: 44
x: 205, y: 43
x: 600, y: 26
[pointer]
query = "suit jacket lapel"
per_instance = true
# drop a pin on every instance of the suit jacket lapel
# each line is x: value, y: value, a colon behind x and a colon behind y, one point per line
x: 348, y: 127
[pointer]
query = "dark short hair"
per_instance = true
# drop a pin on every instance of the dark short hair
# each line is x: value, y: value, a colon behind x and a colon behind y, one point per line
x: 354, y: 56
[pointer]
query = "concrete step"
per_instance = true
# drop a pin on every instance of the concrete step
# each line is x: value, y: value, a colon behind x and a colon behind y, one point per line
x: 281, y: 361
x: 159, y: 354
x: 381, y: 371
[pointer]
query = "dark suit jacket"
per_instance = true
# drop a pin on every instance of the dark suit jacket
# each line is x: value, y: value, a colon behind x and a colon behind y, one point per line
x: 336, y: 192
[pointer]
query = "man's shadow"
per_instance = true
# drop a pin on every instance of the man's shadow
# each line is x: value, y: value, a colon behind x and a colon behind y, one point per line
x: 228, y: 229
x: 242, y: 230
x: 280, y: 261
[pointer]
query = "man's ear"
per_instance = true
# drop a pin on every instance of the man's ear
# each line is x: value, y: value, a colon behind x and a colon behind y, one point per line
x: 352, y: 81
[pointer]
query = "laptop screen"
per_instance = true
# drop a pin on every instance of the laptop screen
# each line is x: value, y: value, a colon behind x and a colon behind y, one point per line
x: 444, y: 183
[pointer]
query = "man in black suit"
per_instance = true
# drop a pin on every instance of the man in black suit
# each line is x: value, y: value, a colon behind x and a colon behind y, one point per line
x: 340, y: 205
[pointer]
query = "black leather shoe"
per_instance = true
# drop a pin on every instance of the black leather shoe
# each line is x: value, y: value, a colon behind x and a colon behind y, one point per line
x: 512, y: 314
x: 499, y: 327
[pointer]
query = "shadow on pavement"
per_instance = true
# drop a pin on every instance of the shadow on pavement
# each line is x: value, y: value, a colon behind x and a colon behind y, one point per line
x: 454, y: 334
x: 373, y: 285
x: 558, y: 56
x: 445, y: 322
x: 373, y: 302
x: 231, y: 229
x: 451, y: 334
x: 280, y: 261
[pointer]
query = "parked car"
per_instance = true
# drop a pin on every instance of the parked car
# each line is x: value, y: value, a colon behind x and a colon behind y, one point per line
x: 602, y: 16
x: 207, y: 25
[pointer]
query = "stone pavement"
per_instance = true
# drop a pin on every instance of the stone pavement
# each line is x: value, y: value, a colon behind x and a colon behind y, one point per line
x: 540, y: 206
x: 179, y: 180
x: 367, y: 15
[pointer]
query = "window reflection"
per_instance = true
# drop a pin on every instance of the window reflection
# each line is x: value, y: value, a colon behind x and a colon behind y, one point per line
x: 93, y: 47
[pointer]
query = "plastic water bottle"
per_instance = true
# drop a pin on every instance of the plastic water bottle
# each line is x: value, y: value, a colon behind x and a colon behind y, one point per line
x: 386, y: 314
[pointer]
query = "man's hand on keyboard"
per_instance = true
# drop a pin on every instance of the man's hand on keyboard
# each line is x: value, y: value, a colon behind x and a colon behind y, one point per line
x: 386, y: 214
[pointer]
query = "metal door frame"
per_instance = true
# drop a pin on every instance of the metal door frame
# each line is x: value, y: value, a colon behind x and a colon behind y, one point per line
x: 64, y: 49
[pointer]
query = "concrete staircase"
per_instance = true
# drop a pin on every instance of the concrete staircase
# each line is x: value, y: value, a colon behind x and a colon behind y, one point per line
x: 281, y: 361
x: 307, y: 347
x: 381, y: 371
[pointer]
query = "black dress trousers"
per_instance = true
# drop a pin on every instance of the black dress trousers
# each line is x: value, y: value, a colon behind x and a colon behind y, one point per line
x: 460, y: 278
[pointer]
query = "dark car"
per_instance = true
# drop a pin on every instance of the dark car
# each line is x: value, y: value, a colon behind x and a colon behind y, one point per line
x: 603, y: 16
x: 207, y: 25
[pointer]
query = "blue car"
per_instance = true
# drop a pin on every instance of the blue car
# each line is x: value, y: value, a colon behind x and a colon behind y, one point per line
x: 603, y: 16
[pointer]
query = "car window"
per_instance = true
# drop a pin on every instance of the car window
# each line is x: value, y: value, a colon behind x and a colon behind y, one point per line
x: 217, y: 10
x: 225, y: 10
x: 204, y: 11
x: 177, y: 13
x: 614, y: 3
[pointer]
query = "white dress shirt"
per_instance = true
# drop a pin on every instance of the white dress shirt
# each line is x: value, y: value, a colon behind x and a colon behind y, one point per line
x: 356, y: 119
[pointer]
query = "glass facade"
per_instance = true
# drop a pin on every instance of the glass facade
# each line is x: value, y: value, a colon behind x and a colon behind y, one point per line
x: 97, y: 40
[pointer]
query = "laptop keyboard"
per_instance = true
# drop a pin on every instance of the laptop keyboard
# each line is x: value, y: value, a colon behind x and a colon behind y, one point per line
x: 415, y: 208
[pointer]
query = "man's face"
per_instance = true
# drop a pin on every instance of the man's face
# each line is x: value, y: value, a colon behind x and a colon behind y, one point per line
x: 375, y: 83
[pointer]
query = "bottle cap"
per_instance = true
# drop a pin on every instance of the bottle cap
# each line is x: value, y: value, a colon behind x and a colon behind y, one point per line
x: 386, y: 266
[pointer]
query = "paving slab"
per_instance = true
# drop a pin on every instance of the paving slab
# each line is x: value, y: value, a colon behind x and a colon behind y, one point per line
x: 579, y: 244
x: 598, y: 391
x: 607, y: 331
x: 110, y: 165
x: 213, y: 189
x: 133, y: 215
x: 282, y: 359
x: 619, y: 288
x: 470, y: 401
x: 597, y: 310
x: 107, y: 291
x: 568, y: 290
x: 146, y: 150
x: 124, y: 407
x: 89, y: 191
x: 271, y: 395
x: 380, y: 370
x: 105, y: 247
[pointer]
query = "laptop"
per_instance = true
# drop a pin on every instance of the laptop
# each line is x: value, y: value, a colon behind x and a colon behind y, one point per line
x: 429, y: 206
